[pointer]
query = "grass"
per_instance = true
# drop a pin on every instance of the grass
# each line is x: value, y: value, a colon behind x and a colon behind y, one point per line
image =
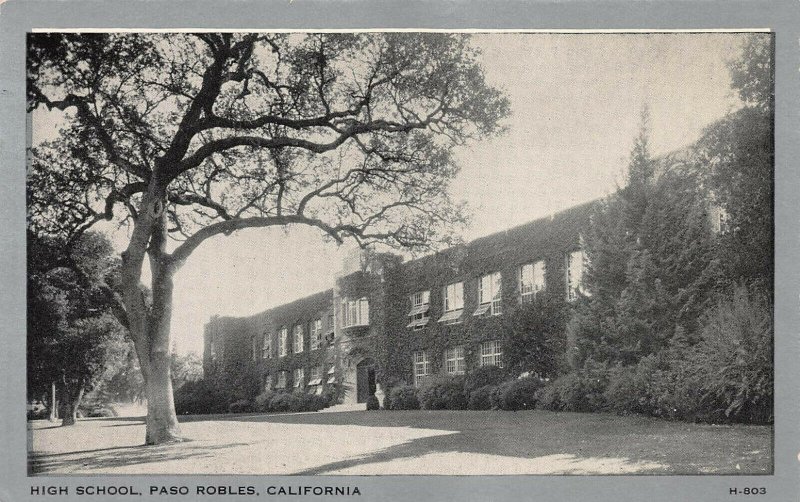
x: 408, y: 442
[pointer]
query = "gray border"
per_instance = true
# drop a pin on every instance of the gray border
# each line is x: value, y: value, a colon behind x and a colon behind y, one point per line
x: 17, y: 17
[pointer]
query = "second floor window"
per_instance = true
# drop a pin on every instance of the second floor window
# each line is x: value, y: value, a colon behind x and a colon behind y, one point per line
x: 531, y: 280
x: 418, y: 315
x: 574, y: 269
x: 283, y: 341
x: 453, y: 295
x: 266, y: 347
x: 355, y: 312
x: 298, y: 339
x: 489, y: 295
x: 316, y: 333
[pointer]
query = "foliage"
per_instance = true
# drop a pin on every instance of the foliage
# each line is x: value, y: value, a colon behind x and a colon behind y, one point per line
x: 200, y: 397
x: 404, y: 397
x: 443, y: 393
x: 240, y: 406
x: 480, y: 398
x: 262, y: 401
x: 282, y: 401
x: 373, y: 403
x: 185, y: 368
x: 520, y: 394
x: 483, y: 376
x: 534, y: 336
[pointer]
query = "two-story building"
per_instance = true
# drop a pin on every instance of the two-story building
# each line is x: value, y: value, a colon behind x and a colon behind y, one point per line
x: 388, y: 321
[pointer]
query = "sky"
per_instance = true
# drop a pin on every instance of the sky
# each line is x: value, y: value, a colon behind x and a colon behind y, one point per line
x: 575, y: 103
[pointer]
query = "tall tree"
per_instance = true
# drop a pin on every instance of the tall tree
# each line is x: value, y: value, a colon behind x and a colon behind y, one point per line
x: 199, y: 135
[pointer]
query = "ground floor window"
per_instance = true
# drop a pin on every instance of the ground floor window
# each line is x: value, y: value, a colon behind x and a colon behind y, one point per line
x: 315, y: 380
x: 281, y: 383
x: 491, y: 355
x: 332, y: 374
x: 421, y: 367
x: 298, y: 377
x: 454, y: 360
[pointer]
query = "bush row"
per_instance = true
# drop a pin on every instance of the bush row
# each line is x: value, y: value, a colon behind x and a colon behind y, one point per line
x: 202, y: 397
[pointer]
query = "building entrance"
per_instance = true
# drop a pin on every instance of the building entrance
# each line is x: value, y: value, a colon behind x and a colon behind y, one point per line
x: 365, y: 380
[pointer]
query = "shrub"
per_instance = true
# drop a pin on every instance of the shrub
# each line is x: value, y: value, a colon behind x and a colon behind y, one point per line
x: 282, y: 401
x: 732, y: 364
x: 200, y: 397
x: 262, y: 400
x: 404, y: 397
x: 480, y: 398
x: 483, y: 376
x: 373, y: 403
x: 496, y: 396
x: 443, y: 393
x: 520, y: 394
x: 240, y: 406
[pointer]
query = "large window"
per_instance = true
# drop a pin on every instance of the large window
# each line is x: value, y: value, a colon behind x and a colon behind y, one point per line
x: 491, y: 355
x: 453, y: 303
x: 422, y: 367
x: 283, y: 341
x: 418, y: 315
x: 531, y: 280
x: 355, y: 312
x: 266, y: 346
x: 297, y: 337
x: 299, y: 378
x: 315, y: 327
x: 281, y: 382
x: 315, y: 379
x: 574, y: 269
x: 454, y: 360
x: 489, y: 295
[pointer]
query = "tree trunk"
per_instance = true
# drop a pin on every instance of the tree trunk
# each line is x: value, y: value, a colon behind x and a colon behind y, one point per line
x: 53, y: 403
x: 70, y: 402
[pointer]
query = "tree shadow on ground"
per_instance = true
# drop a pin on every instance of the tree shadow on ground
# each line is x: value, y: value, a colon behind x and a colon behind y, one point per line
x: 121, y: 456
x: 682, y: 447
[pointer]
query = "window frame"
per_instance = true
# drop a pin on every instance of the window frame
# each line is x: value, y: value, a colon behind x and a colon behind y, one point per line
x: 283, y: 341
x: 298, y: 335
x: 575, y: 287
x: 355, y: 312
x: 493, y: 357
x: 527, y: 292
x: 495, y: 294
x: 421, y: 360
x: 455, y: 355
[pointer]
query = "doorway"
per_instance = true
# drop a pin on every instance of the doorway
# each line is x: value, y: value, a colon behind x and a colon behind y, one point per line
x: 365, y: 380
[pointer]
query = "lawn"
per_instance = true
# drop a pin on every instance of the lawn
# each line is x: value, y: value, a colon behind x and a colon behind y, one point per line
x: 406, y: 442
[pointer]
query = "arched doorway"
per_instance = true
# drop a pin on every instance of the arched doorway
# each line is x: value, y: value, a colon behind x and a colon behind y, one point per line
x: 365, y: 379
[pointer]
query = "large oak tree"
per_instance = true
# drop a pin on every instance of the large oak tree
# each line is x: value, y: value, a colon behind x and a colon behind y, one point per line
x: 198, y: 135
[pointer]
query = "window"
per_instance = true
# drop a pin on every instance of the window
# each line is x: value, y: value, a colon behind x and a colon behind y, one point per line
x: 489, y: 295
x: 453, y: 303
x: 574, y: 267
x: 211, y: 349
x: 283, y: 341
x: 418, y: 315
x: 355, y: 312
x: 421, y: 367
x: 267, y: 382
x: 491, y: 355
x: 720, y: 221
x: 266, y: 347
x: 315, y: 377
x: 454, y: 360
x: 332, y: 374
x: 298, y: 377
x: 281, y: 383
x: 315, y: 327
x: 298, y: 339
x: 531, y: 280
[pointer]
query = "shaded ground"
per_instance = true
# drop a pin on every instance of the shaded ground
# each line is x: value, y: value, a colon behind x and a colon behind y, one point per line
x: 406, y: 442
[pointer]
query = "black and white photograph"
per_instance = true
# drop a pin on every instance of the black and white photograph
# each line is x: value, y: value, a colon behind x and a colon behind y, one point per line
x: 400, y: 252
